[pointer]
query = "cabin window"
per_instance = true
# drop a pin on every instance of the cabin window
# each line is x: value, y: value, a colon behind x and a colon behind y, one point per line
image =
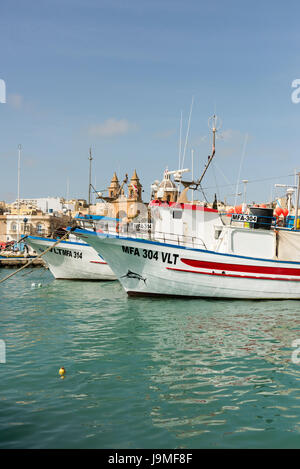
x: 177, y: 214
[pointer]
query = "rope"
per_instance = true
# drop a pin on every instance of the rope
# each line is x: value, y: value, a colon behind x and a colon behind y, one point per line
x: 37, y: 257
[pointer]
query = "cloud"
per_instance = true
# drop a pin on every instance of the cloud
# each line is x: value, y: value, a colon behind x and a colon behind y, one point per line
x: 232, y: 135
x: 30, y: 162
x: 112, y: 127
x: 199, y: 140
x: 15, y: 100
x: 164, y: 134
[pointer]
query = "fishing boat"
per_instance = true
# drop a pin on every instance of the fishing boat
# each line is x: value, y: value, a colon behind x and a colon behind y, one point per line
x: 73, y: 258
x: 194, y: 250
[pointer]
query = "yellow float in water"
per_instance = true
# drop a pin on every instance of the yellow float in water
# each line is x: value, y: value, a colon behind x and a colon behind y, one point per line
x: 62, y: 371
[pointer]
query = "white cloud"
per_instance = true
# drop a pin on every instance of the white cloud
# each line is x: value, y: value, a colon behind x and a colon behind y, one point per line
x: 15, y: 100
x: 199, y: 140
x: 164, y: 134
x: 112, y: 127
x: 231, y: 135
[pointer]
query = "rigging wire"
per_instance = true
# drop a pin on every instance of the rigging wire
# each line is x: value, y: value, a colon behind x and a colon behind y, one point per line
x: 187, y: 133
x: 217, y: 187
x: 240, y: 169
x: 253, y: 181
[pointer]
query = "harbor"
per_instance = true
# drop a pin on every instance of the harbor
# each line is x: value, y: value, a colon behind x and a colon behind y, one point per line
x: 12, y: 262
x: 91, y: 363
x: 149, y: 229
x: 204, y: 374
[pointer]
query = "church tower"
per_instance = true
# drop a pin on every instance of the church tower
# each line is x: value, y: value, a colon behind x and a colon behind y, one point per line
x: 135, y: 188
x: 113, y: 190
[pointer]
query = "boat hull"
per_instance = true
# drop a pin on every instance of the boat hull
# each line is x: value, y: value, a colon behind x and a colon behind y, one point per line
x: 152, y: 268
x: 72, y: 260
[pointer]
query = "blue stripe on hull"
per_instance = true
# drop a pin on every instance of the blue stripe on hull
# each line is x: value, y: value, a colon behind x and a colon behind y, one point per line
x: 52, y: 240
x: 157, y: 243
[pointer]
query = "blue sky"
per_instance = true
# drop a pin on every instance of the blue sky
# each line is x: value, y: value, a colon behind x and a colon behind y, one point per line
x: 115, y: 75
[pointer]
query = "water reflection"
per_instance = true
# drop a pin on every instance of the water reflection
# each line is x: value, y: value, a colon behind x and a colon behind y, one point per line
x: 221, y: 359
x: 147, y: 372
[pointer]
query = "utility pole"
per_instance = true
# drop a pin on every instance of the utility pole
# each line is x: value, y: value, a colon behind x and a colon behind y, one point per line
x: 90, y: 180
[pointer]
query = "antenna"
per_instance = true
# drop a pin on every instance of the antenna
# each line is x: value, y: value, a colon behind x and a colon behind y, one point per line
x: 214, y: 124
x: 187, y: 133
x: 242, y: 159
x: 68, y: 188
x: 179, y: 149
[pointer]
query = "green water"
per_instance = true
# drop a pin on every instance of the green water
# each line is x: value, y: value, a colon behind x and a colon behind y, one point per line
x: 144, y: 373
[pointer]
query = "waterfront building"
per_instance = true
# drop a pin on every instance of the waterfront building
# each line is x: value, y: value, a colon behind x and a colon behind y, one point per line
x: 13, y: 226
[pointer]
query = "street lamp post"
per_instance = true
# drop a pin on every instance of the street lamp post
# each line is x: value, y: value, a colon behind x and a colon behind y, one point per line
x: 245, y: 189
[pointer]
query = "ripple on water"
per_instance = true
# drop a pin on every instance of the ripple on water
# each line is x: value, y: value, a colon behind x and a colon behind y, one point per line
x: 146, y: 372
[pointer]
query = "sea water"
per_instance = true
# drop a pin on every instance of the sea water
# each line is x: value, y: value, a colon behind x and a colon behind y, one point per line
x: 143, y: 372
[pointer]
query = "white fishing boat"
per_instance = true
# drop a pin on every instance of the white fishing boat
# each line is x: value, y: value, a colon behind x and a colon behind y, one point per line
x: 195, y: 251
x: 73, y: 258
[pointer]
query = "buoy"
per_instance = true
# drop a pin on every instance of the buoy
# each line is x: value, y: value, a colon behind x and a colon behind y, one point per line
x: 285, y: 212
x: 238, y: 209
x: 230, y: 211
x: 32, y: 285
x: 62, y: 371
x: 278, y: 211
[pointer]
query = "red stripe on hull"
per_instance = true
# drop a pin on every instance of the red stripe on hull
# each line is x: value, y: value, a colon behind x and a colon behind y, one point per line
x: 257, y: 269
x: 97, y: 262
x: 235, y: 275
x: 158, y: 203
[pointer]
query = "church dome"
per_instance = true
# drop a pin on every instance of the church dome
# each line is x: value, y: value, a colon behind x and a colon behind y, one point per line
x: 167, y: 185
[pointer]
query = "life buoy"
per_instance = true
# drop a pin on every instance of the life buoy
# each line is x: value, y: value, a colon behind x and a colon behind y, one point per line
x: 118, y: 227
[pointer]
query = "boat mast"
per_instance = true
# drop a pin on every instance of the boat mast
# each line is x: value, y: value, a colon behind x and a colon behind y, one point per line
x: 90, y: 181
x: 214, y: 129
x: 213, y: 123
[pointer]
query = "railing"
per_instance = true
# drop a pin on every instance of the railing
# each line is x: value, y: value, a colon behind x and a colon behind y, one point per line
x: 195, y: 242
x: 150, y: 235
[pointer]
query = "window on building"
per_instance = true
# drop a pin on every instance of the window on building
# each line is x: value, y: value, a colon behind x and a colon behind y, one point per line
x: 39, y: 228
x: 14, y: 227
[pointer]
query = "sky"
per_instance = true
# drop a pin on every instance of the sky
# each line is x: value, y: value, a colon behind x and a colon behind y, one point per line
x: 116, y: 76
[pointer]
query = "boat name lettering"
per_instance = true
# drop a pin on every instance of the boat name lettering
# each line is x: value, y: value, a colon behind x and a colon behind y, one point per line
x: 142, y: 226
x: 67, y: 252
x: 246, y: 218
x: 166, y: 257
